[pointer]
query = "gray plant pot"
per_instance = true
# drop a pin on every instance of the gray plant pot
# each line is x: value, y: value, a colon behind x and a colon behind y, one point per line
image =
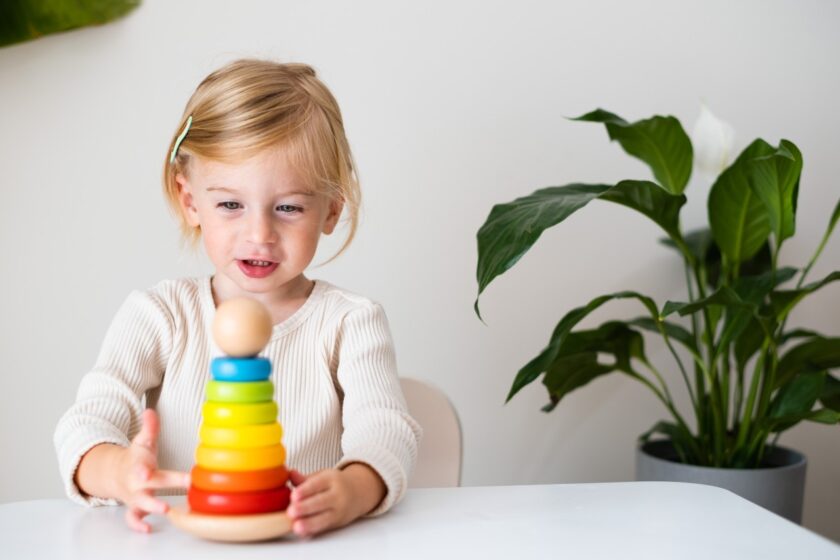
x: 778, y: 485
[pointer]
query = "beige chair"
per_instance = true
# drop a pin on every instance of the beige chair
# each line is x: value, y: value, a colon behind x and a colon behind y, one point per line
x: 439, y: 456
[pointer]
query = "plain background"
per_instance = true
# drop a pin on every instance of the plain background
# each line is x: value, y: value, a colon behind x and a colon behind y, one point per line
x: 450, y: 108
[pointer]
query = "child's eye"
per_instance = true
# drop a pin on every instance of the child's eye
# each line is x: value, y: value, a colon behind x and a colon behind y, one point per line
x: 289, y: 209
x: 229, y: 205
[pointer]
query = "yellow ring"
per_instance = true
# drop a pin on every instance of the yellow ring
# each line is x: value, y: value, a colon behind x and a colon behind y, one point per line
x: 229, y: 415
x: 241, y: 437
x: 254, y: 459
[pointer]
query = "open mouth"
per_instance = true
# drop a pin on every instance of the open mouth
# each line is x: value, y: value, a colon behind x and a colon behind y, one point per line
x: 255, y: 268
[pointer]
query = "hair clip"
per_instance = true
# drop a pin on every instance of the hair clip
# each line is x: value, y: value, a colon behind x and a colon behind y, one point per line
x: 179, y: 140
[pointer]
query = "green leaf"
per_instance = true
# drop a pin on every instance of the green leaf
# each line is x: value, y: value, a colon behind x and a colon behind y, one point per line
x: 816, y: 354
x: 774, y: 179
x: 824, y: 416
x: 794, y: 400
x: 738, y: 218
x: 544, y: 359
x: 650, y: 200
x: 673, y: 330
x: 830, y: 397
x: 512, y: 229
x: 724, y: 296
x: 798, y: 333
x: 22, y: 20
x: 784, y: 301
x: 659, y: 141
x: 576, y: 362
x: 748, y: 343
x: 752, y: 290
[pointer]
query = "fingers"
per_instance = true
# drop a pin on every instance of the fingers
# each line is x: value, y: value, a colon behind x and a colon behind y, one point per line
x: 148, y: 434
x: 310, y: 486
x: 134, y: 518
x: 148, y: 503
x: 310, y: 506
x: 159, y: 480
x: 296, y: 477
x: 141, y: 505
x: 314, y: 524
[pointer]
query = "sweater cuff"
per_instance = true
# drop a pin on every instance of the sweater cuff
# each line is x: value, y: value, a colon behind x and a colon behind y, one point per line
x: 387, y: 466
x: 70, y: 454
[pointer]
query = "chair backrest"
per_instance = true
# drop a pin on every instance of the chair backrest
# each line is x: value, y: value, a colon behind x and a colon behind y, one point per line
x: 439, y: 455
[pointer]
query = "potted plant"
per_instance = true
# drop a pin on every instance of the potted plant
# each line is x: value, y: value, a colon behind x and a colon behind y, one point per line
x: 749, y: 375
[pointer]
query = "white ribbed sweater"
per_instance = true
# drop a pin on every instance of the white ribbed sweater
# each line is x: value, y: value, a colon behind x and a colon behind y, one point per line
x: 334, y: 372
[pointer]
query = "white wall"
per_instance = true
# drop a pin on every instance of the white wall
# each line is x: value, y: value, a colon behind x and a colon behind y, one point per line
x: 450, y: 108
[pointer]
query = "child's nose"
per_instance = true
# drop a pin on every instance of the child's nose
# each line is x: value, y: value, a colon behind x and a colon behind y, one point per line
x: 261, y: 229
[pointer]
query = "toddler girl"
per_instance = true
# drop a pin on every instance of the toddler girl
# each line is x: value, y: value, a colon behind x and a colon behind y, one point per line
x: 259, y: 168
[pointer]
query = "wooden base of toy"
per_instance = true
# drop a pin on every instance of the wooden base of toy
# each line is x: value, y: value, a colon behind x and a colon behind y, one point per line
x: 231, y: 528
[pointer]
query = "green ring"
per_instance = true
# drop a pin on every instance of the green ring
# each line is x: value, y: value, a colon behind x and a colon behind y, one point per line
x: 240, y: 392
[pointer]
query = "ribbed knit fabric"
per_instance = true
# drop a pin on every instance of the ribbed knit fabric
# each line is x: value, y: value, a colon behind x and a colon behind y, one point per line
x: 334, y: 372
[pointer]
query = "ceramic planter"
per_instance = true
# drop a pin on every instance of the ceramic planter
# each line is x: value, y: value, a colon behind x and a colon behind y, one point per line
x: 778, y: 485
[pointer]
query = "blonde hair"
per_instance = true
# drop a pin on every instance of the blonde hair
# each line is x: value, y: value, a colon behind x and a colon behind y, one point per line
x: 250, y: 105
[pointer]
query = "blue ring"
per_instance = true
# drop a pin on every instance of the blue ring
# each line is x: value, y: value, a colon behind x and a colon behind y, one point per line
x: 240, y: 369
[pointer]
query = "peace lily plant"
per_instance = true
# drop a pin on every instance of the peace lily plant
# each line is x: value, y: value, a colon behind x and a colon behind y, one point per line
x: 748, y: 375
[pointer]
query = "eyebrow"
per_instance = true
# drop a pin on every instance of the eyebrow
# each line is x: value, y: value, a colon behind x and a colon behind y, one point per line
x: 234, y: 191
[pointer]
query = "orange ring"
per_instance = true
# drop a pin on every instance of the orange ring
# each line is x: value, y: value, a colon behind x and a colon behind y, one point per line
x: 242, y: 481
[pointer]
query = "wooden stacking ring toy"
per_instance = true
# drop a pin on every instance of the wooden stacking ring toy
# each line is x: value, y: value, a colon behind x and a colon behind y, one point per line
x: 240, y: 369
x: 239, y: 486
x: 231, y: 414
x: 233, y: 481
x: 239, y: 437
x: 230, y: 391
x: 237, y: 503
x: 249, y: 459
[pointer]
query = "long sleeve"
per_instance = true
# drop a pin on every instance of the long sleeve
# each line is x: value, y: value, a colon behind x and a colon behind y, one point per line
x: 109, y: 401
x: 378, y: 430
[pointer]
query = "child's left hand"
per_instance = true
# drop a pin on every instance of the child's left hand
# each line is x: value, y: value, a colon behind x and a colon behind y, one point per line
x: 333, y: 498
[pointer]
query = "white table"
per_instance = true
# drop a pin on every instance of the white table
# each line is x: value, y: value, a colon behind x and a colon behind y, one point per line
x: 615, y: 521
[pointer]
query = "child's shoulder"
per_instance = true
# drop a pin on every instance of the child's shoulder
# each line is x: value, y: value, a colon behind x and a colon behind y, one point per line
x: 339, y: 302
x: 341, y: 297
x: 176, y: 297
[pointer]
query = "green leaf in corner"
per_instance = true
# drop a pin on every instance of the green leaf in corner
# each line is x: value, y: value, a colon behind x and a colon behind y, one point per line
x: 659, y: 141
x: 738, y: 218
x: 22, y: 20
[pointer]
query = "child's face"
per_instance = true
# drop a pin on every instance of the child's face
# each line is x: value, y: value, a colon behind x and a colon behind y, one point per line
x: 256, y: 210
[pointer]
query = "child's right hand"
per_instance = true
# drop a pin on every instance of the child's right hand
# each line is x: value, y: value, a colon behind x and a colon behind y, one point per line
x: 139, y: 476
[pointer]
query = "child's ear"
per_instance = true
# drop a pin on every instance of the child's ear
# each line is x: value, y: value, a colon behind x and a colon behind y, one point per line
x: 185, y: 198
x: 334, y: 212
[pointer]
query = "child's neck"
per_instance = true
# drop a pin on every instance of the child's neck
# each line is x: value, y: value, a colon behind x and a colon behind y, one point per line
x: 281, y: 304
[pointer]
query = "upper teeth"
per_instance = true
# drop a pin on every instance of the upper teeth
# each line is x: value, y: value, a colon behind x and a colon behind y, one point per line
x: 260, y: 263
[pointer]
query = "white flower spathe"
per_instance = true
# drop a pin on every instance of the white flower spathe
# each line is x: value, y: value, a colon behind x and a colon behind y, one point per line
x: 713, y: 140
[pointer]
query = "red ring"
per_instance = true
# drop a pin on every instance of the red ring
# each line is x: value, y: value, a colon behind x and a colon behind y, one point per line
x: 238, y: 481
x: 238, y: 503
